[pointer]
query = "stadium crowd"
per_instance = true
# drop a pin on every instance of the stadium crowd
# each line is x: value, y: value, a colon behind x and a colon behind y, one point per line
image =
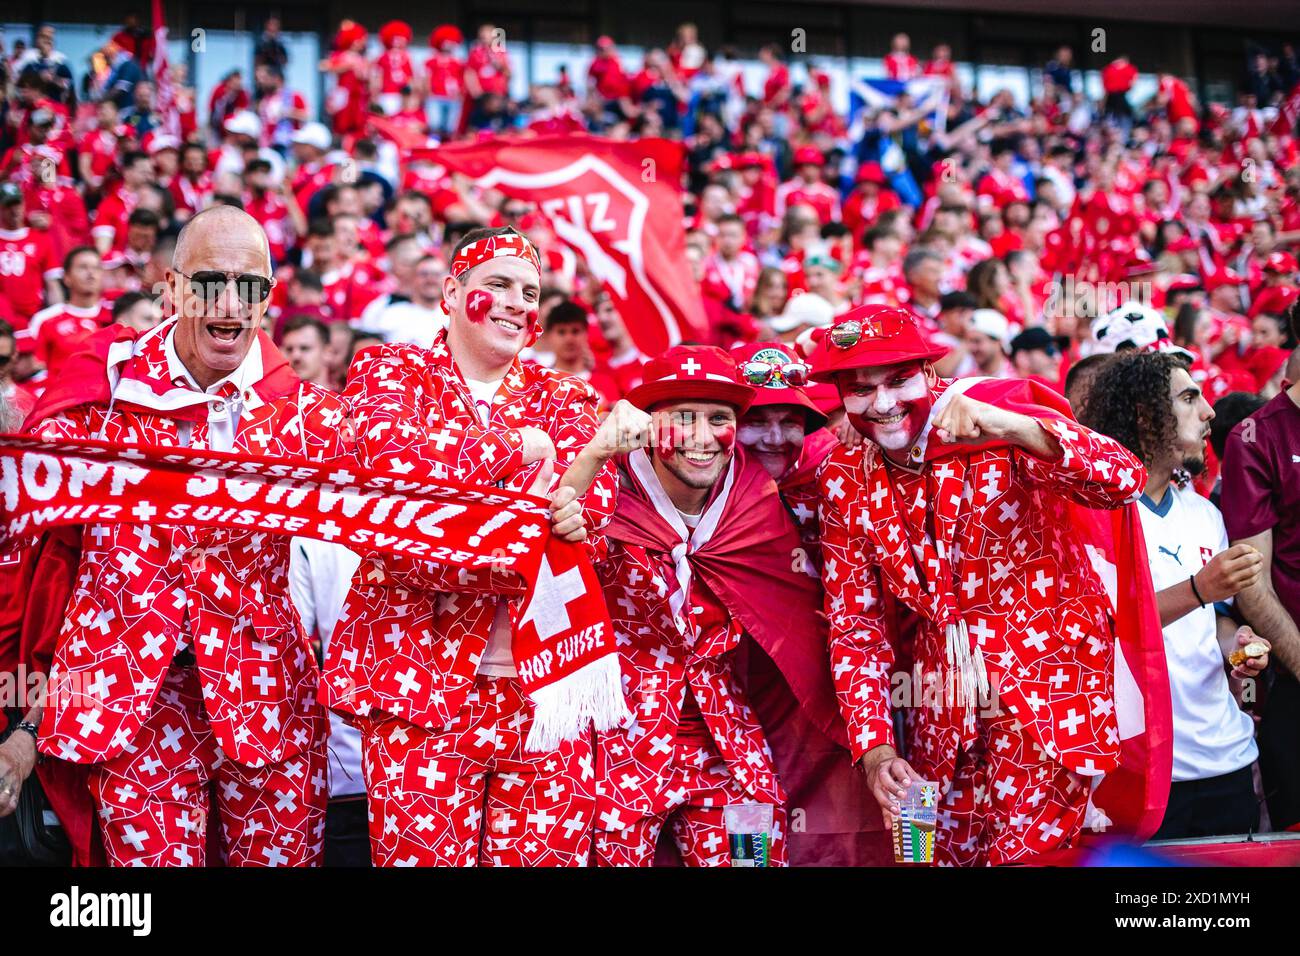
x: 1031, y: 241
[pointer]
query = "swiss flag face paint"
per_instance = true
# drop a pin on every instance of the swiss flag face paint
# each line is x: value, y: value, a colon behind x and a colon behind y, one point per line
x: 478, y: 304
x: 533, y: 318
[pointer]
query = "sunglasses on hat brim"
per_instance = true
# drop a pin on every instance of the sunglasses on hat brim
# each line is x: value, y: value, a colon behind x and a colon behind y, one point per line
x: 759, y: 373
x: 845, y: 335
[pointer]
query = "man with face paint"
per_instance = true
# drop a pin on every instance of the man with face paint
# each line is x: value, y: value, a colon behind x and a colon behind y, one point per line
x: 421, y: 659
x: 959, y: 508
x: 206, y: 702
x: 700, y: 555
x: 783, y: 430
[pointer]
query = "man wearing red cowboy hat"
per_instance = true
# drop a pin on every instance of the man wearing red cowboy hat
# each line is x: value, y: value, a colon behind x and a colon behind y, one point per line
x: 784, y: 431
x: 422, y: 661
x: 700, y: 554
x: 959, y: 509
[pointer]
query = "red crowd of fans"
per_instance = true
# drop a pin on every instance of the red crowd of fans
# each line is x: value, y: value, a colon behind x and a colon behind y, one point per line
x: 1009, y: 230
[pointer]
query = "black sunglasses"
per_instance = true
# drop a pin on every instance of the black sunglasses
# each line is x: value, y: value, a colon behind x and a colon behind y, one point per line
x: 209, y: 286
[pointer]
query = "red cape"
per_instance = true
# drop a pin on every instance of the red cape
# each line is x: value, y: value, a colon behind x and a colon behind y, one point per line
x: 1133, y: 796
x: 786, y: 669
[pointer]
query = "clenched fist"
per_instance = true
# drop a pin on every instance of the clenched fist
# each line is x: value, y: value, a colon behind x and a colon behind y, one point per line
x: 626, y: 428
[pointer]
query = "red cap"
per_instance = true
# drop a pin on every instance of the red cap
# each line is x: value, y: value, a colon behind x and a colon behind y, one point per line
x: 868, y: 337
x: 778, y: 391
x: 1276, y: 300
x: 809, y: 156
x: 24, y: 342
x: 871, y: 172
x: 1216, y: 280
x: 1182, y: 244
x: 445, y: 34
x: 1186, y: 282
x: 157, y: 141
x: 603, y: 42
x: 1282, y: 262
x: 748, y: 160
x: 1263, y: 362
x: 691, y: 372
x: 393, y: 29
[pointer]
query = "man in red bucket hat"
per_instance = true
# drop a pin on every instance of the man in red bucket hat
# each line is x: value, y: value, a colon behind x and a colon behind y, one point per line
x: 700, y: 550
x: 784, y: 430
x: 957, y: 504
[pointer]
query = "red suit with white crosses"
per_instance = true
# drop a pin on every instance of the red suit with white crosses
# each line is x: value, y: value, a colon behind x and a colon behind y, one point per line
x: 979, y: 544
x: 238, y: 710
x: 405, y: 663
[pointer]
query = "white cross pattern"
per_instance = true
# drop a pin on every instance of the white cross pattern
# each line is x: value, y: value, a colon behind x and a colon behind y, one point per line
x: 548, y: 609
x: 690, y: 366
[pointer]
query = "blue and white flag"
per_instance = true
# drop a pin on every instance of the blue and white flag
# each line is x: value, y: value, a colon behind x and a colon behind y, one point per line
x: 867, y: 96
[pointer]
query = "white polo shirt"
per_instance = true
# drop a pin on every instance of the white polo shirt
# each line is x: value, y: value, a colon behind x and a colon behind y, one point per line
x: 1212, y: 735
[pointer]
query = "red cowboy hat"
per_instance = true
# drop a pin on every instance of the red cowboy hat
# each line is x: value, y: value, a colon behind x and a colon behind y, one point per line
x: 770, y: 359
x: 691, y: 372
x: 868, y: 337
x: 393, y: 29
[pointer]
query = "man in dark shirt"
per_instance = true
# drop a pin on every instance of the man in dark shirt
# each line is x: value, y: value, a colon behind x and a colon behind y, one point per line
x: 1261, y: 507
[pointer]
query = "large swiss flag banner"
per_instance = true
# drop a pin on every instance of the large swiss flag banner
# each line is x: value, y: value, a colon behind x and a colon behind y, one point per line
x: 618, y: 206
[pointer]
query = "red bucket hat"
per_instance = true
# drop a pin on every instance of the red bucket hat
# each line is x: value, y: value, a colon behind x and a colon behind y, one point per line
x: 773, y: 361
x: 868, y: 337
x: 687, y: 372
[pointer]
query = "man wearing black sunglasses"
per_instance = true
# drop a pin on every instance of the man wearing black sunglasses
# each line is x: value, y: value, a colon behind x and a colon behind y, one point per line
x: 200, y: 697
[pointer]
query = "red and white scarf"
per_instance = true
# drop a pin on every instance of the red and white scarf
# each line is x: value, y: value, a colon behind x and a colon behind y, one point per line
x: 563, y: 645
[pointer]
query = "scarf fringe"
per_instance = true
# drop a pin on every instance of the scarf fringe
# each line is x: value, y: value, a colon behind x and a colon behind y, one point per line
x: 966, y: 664
x: 591, y: 695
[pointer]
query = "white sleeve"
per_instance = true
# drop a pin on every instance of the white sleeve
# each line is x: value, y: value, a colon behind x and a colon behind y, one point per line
x: 301, y: 591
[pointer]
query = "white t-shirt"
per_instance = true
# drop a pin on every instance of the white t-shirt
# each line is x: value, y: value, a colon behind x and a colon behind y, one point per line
x: 1212, y: 735
x: 498, y: 661
x: 320, y: 574
x: 401, y: 322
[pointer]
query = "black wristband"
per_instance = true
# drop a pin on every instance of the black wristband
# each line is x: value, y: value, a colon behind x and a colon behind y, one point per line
x: 1192, y: 579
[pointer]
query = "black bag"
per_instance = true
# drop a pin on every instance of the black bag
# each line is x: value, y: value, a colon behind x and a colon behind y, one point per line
x: 31, y: 835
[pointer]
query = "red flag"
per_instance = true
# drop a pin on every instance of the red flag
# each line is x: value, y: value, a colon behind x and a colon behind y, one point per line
x: 406, y: 137
x: 162, y: 74
x: 1130, y: 800
x: 615, y: 204
x: 1288, y: 114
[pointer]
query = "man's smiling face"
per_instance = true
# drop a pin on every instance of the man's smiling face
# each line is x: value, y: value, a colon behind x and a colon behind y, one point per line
x: 888, y: 405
